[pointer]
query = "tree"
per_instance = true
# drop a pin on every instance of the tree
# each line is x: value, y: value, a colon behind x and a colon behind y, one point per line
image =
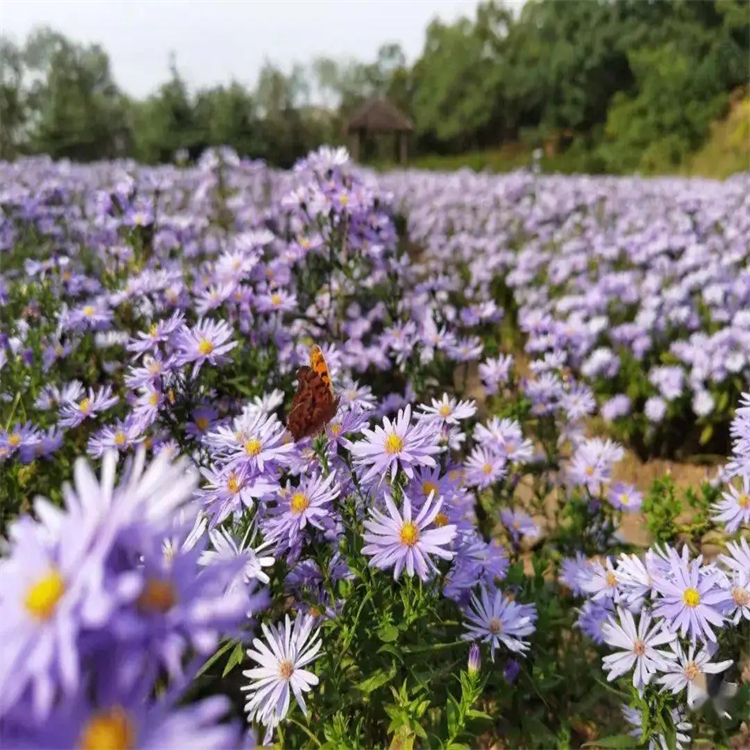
x: 77, y: 110
x: 12, y: 101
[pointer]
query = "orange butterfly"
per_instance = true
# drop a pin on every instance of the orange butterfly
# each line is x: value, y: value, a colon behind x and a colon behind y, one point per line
x: 314, y: 404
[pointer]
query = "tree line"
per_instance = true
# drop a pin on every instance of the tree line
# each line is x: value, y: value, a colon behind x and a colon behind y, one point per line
x: 630, y: 84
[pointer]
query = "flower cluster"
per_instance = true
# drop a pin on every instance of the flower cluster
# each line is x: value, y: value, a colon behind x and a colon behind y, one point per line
x: 456, y: 489
x: 97, y: 607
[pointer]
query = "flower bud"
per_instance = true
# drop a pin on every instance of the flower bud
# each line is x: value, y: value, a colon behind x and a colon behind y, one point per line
x: 475, y: 659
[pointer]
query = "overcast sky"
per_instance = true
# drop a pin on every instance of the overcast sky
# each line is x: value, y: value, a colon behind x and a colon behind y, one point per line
x: 217, y: 40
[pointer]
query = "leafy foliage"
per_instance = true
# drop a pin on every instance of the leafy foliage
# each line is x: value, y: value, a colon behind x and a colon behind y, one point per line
x: 620, y: 85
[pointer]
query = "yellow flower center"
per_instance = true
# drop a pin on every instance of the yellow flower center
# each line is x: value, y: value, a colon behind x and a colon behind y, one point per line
x: 14, y: 440
x: 454, y: 475
x: 153, y: 399
x: 441, y: 520
x: 691, y: 597
x: 108, y: 730
x: 393, y: 444
x: 233, y: 485
x: 445, y: 410
x: 496, y: 626
x: 157, y: 596
x: 205, y: 347
x: 691, y: 670
x: 304, y: 242
x: 335, y: 428
x: 639, y: 647
x: 43, y: 596
x: 744, y: 501
x: 88, y: 311
x: 201, y: 423
x: 589, y: 471
x: 624, y: 499
x: 154, y: 329
x: 84, y: 405
x: 276, y: 300
x: 741, y: 596
x: 252, y: 447
x: 428, y: 487
x: 286, y: 669
x: 344, y: 200
x: 120, y: 438
x: 409, y: 534
x: 300, y: 502
x: 611, y: 579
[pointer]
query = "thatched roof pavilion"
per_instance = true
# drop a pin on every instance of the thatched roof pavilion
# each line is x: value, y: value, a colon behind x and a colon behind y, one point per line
x: 379, y: 116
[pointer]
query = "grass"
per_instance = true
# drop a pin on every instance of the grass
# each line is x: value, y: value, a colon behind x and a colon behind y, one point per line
x: 727, y: 150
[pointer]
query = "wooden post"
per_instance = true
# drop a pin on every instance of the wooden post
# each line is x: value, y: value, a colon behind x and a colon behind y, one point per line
x: 403, y: 138
x: 355, y: 145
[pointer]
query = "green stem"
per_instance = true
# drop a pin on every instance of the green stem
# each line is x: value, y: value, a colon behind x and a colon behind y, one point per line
x: 305, y: 730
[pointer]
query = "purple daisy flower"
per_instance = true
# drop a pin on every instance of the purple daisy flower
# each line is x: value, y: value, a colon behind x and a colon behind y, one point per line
x: 495, y: 372
x: 618, y: 406
x: 625, y: 497
x: 41, y: 595
x: 638, y: 647
x: 573, y: 570
x: 310, y: 502
x: 493, y: 618
x: 208, y: 342
x: 157, y: 333
x: 288, y: 649
x: 592, y: 617
x: 484, y: 467
x: 602, y: 581
x: 739, y: 556
x: 256, y: 440
x: 128, y: 718
x: 120, y: 436
x: 734, y: 510
x: 400, y: 542
x: 687, y: 598
x: 398, y: 444
x: 519, y: 524
x: 232, y: 489
x: 449, y: 410
x: 22, y: 438
x: 682, y: 668
x: 72, y: 414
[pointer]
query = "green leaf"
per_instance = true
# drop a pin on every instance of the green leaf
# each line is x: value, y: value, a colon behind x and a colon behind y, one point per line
x: 235, y: 659
x: 388, y: 633
x: 213, y: 659
x: 473, y: 713
x: 707, y: 434
x: 515, y: 574
x: 722, y: 402
x: 458, y: 746
x: 539, y: 731
x: 453, y: 713
x: 616, y: 740
x: 377, y: 680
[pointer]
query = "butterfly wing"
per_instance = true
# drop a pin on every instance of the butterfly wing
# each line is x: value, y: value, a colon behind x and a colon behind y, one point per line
x: 313, y: 406
x: 318, y: 364
x: 300, y: 415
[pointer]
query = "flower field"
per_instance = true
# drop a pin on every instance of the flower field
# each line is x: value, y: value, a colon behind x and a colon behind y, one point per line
x: 329, y: 459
